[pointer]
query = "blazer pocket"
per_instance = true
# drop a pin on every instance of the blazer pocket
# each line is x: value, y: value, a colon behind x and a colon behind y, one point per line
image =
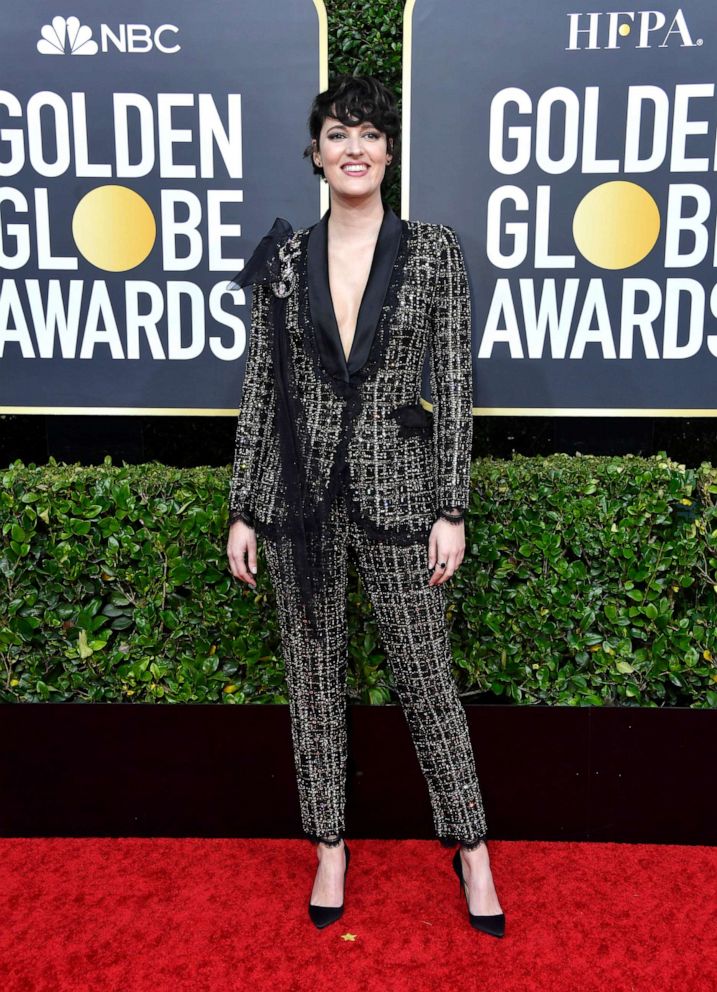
x: 413, y: 419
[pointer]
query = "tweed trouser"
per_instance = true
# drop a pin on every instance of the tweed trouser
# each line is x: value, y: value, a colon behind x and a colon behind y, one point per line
x: 410, y: 616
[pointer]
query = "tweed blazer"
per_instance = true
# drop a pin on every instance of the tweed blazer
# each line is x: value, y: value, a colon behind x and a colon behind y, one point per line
x: 362, y: 430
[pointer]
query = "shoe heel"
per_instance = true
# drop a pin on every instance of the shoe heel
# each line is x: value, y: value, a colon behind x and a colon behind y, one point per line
x: 493, y: 924
x: 322, y: 916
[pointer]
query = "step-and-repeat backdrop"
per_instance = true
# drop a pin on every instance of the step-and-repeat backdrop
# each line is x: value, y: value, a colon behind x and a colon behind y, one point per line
x: 574, y: 151
x: 145, y: 148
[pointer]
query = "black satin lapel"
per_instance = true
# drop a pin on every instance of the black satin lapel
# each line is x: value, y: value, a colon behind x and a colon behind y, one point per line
x: 389, y: 237
x: 326, y: 331
x: 326, y: 328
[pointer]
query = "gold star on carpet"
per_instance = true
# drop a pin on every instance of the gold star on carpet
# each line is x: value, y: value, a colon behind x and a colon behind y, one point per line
x: 348, y: 936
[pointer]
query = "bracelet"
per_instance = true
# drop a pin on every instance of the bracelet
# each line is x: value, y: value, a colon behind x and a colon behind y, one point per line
x: 454, y: 518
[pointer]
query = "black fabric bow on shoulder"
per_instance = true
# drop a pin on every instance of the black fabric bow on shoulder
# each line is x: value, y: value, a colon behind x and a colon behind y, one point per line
x: 263, y: 266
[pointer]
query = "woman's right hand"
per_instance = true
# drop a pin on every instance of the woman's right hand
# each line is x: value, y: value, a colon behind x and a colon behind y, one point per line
x: 241, y: 551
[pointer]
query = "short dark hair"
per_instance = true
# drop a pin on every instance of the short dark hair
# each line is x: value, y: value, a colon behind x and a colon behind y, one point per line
x: 352, y: 100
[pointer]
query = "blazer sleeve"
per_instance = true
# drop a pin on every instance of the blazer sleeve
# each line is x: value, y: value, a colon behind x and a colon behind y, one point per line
x: 451, y: 375
x: 255, y: 411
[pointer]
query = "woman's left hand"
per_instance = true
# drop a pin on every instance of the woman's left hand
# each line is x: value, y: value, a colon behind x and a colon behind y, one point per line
x: 446, y: 543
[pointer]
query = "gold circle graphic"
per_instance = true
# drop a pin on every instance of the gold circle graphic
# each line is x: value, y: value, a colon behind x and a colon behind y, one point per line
x: 616, y: 225
x: 624, y: 30
x: 114, y: 228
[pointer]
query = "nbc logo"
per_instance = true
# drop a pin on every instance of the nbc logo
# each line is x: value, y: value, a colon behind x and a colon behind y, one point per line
x: 66, y: 36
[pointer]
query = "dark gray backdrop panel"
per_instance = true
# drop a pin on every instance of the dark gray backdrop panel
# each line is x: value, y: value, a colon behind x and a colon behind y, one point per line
x: 267, y: 52
x: 461, y: 54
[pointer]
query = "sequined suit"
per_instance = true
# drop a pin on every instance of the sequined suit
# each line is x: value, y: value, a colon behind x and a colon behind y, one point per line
x: 344, y: 448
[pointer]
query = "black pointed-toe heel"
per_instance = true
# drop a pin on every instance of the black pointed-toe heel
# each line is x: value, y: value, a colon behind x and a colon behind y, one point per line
x: 321, y: 916
x: 494, y: 924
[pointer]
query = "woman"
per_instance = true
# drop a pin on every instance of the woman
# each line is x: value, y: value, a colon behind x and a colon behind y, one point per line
x: 335, y: 455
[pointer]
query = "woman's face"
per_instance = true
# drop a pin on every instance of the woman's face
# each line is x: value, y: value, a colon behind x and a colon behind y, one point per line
x: 354, y: 157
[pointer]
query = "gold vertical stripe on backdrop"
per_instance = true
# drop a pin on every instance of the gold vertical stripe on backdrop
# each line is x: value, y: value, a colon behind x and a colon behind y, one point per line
x: 485, y: 411
x: 323, y: 84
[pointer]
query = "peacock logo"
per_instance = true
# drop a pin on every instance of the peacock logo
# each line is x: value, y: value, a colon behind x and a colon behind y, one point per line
x: 66, y: 36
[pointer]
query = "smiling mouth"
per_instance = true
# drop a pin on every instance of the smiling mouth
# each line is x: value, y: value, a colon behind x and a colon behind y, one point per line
x: 355, y: 170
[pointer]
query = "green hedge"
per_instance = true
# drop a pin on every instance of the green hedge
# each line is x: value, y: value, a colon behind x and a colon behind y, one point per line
x: 587, y: 581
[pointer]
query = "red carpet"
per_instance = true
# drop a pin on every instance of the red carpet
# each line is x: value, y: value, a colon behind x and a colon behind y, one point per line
x: 148, y: 915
